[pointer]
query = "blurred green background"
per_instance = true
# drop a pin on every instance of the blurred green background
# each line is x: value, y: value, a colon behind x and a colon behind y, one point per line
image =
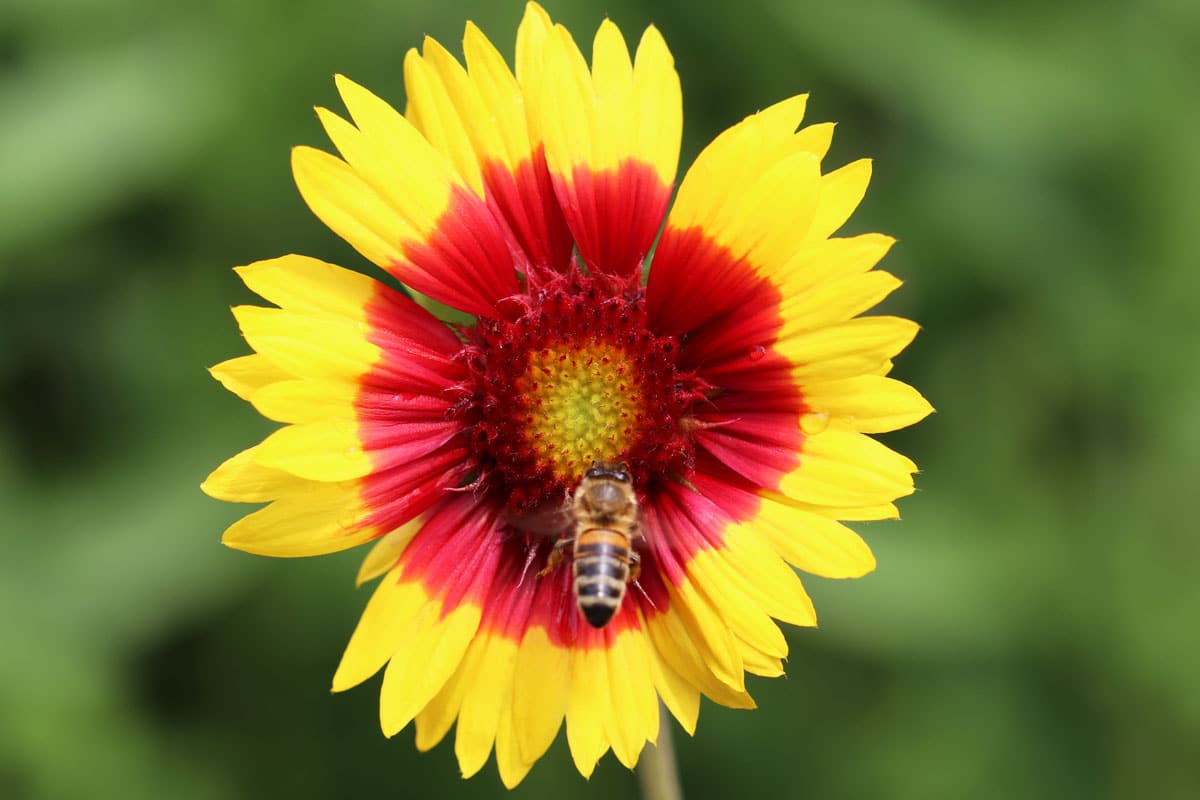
x: 1032, y: 628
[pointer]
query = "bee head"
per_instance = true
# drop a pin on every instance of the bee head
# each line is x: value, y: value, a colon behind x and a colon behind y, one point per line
x: 607, y: 490
x: 619, y: 473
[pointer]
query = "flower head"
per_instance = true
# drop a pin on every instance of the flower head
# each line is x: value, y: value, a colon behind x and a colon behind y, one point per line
x: 733, y: 389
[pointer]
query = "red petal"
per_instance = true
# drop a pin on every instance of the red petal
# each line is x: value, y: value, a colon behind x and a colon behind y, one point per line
x: 525, y: 198
x: 614, y: 214
x: 468, y: 261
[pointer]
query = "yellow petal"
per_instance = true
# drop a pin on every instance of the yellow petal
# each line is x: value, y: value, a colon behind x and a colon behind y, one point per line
x: 759, y: 663
x: 633, y: 713
x: 860, y: 346
x: 295, y: 401
x: 616, y: 112
x: 835, y: 301
x: 245, y: 375
x: 758, y: 570
x: 434, y: 721
x: 612, y: 81
x: 562, y: 110
x: 843, y: 468
x: 503, y: 133
x: 681, y: 697
x: 310, y: 286
x: 814, y: 139
x: 242, y: 479
x: 708, y: 630
x: 841, y: 192
x: 492, y: 660
x: 868, y: 403
x: 532, y: 34
x: 350, y: 206
x: 379, y: 632
x: 324, y: 519
x: 436, y: 85
x: 539, y: 692
x: 509, y: 762
x: 308, y: 346
x: 727, y: 590
x: 753, y: 190
x: 868, y: 513
x: 394, y: 157
x: 588, y: 707
x: 812, y: 542
x: 673, y: 641
x: 659, y: 103
x: 430, y: 650
x: 329, y: 450
x: 828, y: 259
x: 415, y: 193
x: 386, y: 552
x: 755, y: 215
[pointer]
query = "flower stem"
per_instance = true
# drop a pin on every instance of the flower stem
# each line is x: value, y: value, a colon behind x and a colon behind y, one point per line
x: 658, y: 774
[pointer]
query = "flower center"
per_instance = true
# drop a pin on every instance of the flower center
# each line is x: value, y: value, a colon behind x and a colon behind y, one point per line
x: 573, y: 377
x: 582, y: 405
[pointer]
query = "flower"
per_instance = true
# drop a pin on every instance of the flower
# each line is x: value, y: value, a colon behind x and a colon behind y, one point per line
x: 736, y: 384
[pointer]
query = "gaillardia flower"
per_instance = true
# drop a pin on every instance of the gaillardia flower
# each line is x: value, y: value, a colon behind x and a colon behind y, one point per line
x: 734, y: 382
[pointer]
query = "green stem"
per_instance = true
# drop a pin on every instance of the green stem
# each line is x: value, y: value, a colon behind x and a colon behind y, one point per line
x: 658, y: 774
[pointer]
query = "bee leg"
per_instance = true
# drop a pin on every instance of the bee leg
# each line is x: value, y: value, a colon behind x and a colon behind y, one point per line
x: 556, y: 556
x: 635, y: 566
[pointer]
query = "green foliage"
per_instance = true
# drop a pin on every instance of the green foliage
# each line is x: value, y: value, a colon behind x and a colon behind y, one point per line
x: 1031, y: 629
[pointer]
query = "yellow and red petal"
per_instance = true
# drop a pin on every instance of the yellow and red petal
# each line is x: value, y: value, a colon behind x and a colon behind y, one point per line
x: 717, y: 549
x: 476, y: 117
x: 400, y: 202
x: 741, y: 210
x: 611, y: 138
x: 480, y: 693
x: 360, y: 371
x: 447, y: 567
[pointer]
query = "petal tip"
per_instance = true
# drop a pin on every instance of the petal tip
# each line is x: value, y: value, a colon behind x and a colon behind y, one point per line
x: 233, y: 543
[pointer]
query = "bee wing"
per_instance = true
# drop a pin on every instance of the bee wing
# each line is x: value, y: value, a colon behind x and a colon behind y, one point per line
x: 550, y: 520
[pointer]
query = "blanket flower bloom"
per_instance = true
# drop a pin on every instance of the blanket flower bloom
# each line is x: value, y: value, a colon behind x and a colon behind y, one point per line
x: 735, y: 382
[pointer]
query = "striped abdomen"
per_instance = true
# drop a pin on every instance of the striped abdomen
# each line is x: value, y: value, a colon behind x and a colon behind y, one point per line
x: 601, y: 571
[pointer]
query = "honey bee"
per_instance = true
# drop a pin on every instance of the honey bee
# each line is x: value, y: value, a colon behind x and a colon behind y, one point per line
x: 604, y: 512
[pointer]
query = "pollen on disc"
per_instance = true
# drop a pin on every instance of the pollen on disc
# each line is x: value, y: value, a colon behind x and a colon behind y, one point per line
x: 573, y: 401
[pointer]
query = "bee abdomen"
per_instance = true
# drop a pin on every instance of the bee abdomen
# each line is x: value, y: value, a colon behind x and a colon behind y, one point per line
x: 601, y: 572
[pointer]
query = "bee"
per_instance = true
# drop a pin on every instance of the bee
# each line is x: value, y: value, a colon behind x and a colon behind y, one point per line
x: 604, y: 514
